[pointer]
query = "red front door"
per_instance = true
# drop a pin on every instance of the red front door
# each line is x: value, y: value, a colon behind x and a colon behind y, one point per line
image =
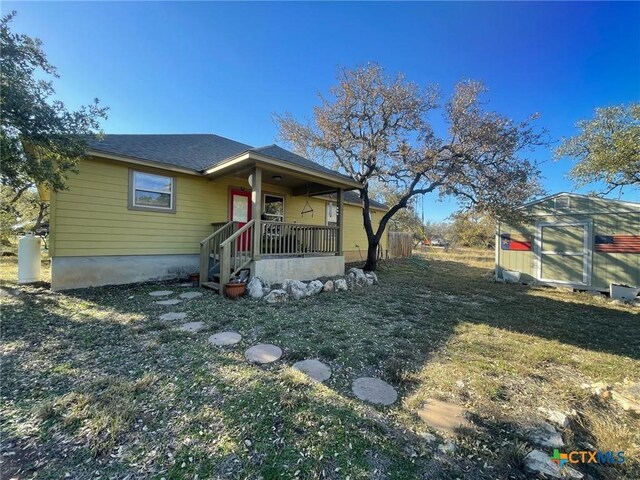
x: 240, y: 211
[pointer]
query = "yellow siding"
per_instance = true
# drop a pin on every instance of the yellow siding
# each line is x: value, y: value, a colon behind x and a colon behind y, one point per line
x: 91, y: 218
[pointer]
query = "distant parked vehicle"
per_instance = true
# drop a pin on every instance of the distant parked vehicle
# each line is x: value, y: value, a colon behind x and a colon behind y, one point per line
x: 439, y: 242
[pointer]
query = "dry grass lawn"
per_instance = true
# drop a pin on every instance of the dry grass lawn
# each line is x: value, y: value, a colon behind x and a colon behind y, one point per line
x: 93, y: 382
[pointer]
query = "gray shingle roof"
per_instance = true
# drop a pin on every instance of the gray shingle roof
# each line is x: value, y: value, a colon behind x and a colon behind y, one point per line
x: 354, y: 197
x: 192, y: 151
x: 280, y: 153
x: 201, y: 151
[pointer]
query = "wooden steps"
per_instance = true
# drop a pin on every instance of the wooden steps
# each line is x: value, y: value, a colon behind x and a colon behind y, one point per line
x: 212, y: 285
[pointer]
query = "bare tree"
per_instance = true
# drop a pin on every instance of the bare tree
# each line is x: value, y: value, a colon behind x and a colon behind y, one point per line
x: 375, y: 129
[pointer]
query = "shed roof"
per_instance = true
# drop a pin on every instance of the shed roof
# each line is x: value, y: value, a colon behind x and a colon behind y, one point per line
x: 622, y: 203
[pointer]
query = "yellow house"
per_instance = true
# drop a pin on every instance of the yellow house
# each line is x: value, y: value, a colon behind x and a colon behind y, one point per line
x: 149, y: 207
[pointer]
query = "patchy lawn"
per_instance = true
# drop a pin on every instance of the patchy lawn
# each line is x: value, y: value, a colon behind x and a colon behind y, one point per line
x: 94, y: 383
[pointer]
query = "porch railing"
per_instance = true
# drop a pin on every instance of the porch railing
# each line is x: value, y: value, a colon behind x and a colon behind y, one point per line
x: 210, y: 251
x: 280, y: 238
x: 236, y: 252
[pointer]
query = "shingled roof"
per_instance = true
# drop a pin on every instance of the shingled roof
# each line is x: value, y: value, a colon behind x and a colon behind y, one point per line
x: 199, y: 152
x: 280, y: 153
x: 192, y: 151
x: 354, y: 197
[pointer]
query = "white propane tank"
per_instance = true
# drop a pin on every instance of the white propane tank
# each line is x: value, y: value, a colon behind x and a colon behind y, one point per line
x: 29, y: 259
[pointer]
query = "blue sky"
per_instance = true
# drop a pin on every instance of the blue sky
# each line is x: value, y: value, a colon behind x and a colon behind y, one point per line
x: 225, y: 68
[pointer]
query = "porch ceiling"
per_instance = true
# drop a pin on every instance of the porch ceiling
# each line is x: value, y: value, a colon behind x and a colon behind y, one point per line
x: 301, y: 181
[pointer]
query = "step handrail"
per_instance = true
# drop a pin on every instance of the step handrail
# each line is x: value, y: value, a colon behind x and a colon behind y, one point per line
x: 239, y: 232
x: 217, y: 232
x: 241, y: 258
x: 207, y: 246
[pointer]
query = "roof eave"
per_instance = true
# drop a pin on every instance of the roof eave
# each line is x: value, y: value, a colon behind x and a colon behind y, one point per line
x: 266, y: 160
x: 139, y: 161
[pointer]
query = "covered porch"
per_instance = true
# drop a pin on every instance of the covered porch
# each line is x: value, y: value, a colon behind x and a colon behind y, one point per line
x: 259, y: 238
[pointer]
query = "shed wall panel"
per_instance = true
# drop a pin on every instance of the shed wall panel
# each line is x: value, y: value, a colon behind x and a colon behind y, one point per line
x: 608, y: 218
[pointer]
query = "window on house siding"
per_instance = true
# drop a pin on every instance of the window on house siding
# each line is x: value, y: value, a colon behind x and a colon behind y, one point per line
x: 274, y: 208
x: 151, y: 191
x: 332, y: 214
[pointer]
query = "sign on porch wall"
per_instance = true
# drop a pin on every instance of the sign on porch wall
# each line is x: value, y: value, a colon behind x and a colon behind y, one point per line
x: 617, y: 243
x: 515, y: 241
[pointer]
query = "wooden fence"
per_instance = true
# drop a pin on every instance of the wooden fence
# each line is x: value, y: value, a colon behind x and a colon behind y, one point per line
x: 400, y: 244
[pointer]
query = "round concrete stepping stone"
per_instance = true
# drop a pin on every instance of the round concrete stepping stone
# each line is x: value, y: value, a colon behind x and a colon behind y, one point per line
x: 160, y: 293
x: 374, y: 390
x: 225, y: 338
x: 189, y: 295
x: 443, y: 416
x: 192, y: 326
x: 314, y: 368
x: 263, y: 353
x: 173, y: 316
x: 173, y: 301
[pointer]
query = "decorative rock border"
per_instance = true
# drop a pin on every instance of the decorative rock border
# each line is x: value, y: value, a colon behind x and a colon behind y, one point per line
x: 296, y: 289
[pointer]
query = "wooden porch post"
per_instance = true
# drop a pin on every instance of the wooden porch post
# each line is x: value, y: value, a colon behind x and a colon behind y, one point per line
x: 256, y: 210
x: 340, y: 204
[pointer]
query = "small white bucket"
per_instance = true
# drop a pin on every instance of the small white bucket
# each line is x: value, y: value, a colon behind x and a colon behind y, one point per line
x: 623, y: 292
x: 511, y: 276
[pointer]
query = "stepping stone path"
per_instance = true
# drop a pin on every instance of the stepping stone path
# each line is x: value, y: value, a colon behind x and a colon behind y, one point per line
x: 192, y: 327
x: 374, y: 390
x: 443, y: 416
x: 225, y: 338
x: 189, y: 295
x: 173, y: 316
x: 173, y: 301
x: 263, y: 353
x: 160, y: 293
x: 315, y: 369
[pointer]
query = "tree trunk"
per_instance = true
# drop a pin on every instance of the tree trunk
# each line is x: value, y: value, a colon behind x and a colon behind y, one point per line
x: 43, y: 210
x: 372, y: 255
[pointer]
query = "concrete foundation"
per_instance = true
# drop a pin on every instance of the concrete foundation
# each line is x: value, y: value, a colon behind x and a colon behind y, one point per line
x: 275, y: 270
x: 81, y: 272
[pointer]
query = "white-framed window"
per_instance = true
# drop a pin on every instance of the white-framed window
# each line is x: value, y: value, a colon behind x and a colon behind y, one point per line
x: 273, y: 208
x: 151, y: 191
x: 332, y: 214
